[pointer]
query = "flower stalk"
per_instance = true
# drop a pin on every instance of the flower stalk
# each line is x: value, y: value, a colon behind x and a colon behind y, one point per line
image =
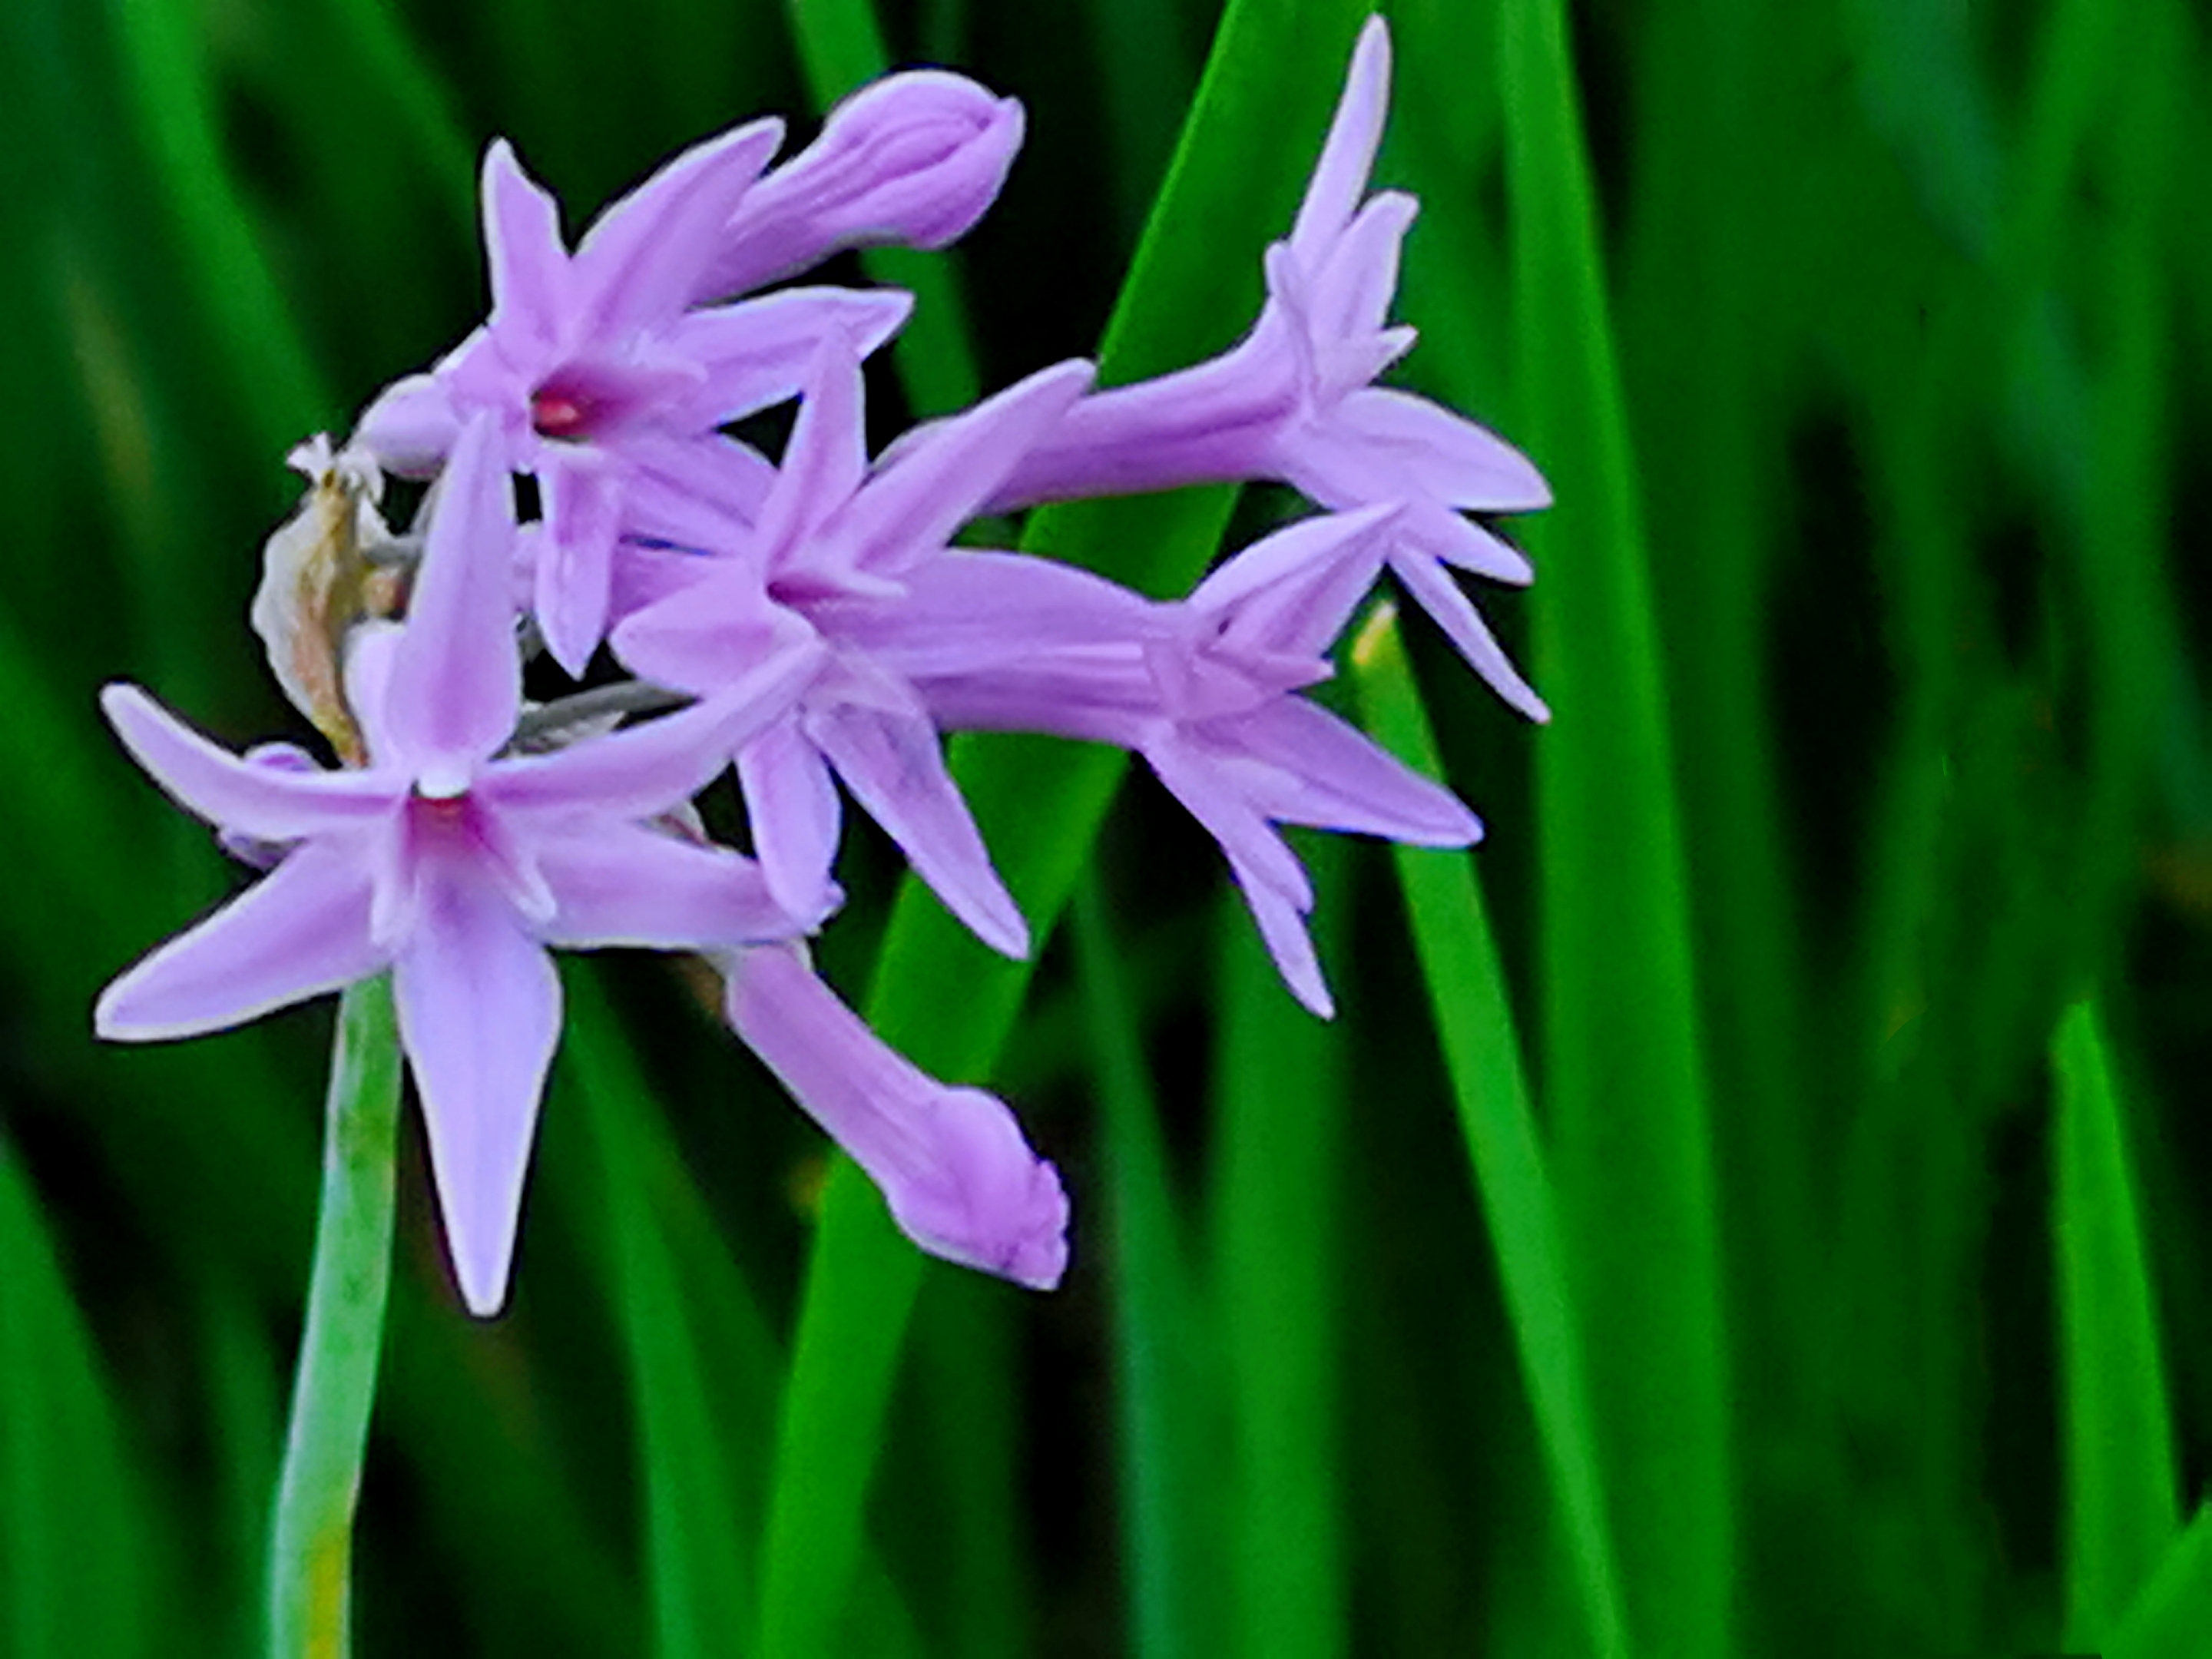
x: 311, y: 1543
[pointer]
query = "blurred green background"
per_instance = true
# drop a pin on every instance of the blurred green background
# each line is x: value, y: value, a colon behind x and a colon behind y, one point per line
x: 1839, y: 1285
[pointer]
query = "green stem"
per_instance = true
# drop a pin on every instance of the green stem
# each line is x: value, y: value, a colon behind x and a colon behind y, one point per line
x: 311, y: 1545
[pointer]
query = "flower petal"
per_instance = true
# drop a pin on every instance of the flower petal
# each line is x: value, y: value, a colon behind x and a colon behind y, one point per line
x: 794, y: 814
x: 823, y: 462
x: 576, y: 556
x: 479, y: 1014
x: 299, y: 931
x: 1340, y: 177
x: 1454, y: 612
x: 412, y: 426
x: 266, y: 803
x: 456, y: 676
x: 638, y: 265
x: 531, y: 292
x: 1318, y: 770
x: 758, y: 353
x: 966, y: 611
x: 644, y: 770
x: 893, y: 761
x: 959, y: 1178
x: 625, y: 885
x: 911, y: 506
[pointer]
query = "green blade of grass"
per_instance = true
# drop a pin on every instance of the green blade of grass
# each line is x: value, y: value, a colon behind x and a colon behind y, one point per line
x: 2122, y: 1508
x: 1279, y: 1087
x: 1482, y: 1051
x: 937, y: 994
x: 75, y: 1534
x: 1623, y: 1075
x: 1170, y: 1492
x: 280, y: 393
x: 311, y: 1541
x: 698, y: 1563
x: 2170, y: 1614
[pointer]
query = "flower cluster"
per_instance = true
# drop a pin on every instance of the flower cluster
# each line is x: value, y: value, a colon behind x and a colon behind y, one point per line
x: 804, y: 622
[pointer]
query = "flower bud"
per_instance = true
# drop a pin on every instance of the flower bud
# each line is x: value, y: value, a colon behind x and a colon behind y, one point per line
x: 913, y: 160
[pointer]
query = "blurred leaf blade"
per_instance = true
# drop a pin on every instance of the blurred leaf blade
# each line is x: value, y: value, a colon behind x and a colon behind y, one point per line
x: 1623, y: 1073
x: 2122, y: 1511
x: 1474, y: 1025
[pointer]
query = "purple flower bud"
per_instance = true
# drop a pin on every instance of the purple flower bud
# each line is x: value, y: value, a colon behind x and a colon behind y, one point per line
x: 914, y: 160
x: 960, y: 1180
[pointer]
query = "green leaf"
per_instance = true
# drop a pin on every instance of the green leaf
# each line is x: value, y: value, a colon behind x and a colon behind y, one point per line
x: 1482, y: 1051
x: 2121, y: 1507
x: 1168, y: 1405
x: 75, y: 1532
x: 1623, y: 1074
x: 2168, y: 1618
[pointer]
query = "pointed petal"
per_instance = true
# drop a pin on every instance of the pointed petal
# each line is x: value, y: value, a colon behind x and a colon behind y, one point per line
x: 576, y: 556
x: 1290, y: 592
x: 828, y: 453
x: 645, y: 770
x: 639, y: 263
x: 702, y: 493
x: 479, y: 1014
x: 531, y: 293
x: 300, y: 931
x: 267, y: 803
x: 1454, y: 612
x: 1437, y: 452
x: 412, y: 426
x: 1282, y: 926
x: 758, y: 353
x: 456, y: 677
x: 792, y: 809
x: 893, y: 761
x: 911, y: 506
x: 1340, y: 177
x: 1317, y: 770
x: 1350, y: 295
x: 959, y: 1178
x: 1196, y: 775
x: 624, y: 884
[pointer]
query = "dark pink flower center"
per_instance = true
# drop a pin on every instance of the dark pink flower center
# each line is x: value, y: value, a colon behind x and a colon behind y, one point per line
x: 558, y: 411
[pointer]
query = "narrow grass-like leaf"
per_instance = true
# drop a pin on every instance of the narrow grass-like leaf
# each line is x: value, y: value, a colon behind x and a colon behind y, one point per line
x: 2170, y: 1614
x: 1623, y: 1074
x: 698, y: 1563
x: 74, y: 1534
x: 311, y: 1544
x: 1482, y: 1051
x: 280, y: 393
x: 1280, y: 1092
x: 2122, y: 1508
x: 937, y: 994
x: 1171, y: 1499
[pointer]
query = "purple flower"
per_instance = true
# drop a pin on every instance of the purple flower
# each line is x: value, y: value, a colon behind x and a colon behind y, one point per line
x: 914, y: 158
x: 832, y: 552
x: 1205, y: 691
x: 960, y: 1180
x: 604, y: 386
x: 451, y: 865
x: 1294, y: 401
